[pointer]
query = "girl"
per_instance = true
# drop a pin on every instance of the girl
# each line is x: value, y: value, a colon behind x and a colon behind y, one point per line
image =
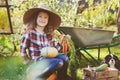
x: 41, y: 23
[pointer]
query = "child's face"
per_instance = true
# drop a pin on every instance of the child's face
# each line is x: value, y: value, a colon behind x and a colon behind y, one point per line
x: 42, y: 19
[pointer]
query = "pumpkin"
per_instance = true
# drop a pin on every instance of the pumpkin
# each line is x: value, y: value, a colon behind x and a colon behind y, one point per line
x: 49, y: 52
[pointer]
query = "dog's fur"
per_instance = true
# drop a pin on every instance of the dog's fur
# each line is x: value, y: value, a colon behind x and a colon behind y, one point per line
x: 112, y: 61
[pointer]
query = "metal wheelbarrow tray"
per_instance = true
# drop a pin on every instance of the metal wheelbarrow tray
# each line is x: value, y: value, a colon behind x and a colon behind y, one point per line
x: 86, y: 37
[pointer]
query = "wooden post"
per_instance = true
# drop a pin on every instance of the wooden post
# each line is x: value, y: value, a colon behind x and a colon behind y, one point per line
x: 7, y: 6
x: 118, y: 20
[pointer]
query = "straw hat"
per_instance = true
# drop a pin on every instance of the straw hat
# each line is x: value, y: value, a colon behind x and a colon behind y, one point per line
x: 54, y: 19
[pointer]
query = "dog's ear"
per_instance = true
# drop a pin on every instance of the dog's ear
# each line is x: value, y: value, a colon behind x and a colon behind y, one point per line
x: 107, y: 58
x: 116, y: 58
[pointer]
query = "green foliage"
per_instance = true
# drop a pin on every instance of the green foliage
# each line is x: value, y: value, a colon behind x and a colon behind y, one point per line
x: 6, y: 48
x: 98, y: 15
x: 66, y: 11
x: 3, y: 18
x: 11, y: 68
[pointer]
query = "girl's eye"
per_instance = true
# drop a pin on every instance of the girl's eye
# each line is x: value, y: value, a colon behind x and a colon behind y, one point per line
x: 45, y: 17
x: 40, y: 16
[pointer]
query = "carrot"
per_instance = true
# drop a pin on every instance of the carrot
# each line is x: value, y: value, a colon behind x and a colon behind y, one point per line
x: 68, y: 45
x: 106, y: 69
x: 65, y: 48
x: 65, y: 43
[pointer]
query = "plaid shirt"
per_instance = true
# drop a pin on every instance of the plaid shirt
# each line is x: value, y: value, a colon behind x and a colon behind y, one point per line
x: 34, y: 42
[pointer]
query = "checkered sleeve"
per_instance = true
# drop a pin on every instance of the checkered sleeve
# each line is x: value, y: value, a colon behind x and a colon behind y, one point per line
x: 25, y: 44
x: 56, y: 45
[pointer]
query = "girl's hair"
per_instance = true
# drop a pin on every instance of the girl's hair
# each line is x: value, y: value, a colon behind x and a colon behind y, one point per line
x: 32, y: 24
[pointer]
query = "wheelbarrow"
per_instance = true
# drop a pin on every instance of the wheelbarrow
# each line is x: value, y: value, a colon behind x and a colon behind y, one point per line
x: 86, y: 39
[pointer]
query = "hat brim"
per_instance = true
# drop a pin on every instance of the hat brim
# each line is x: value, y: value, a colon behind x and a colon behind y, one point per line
x: 54, y: 19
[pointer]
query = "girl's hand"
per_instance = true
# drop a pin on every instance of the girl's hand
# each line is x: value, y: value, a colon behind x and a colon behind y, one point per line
x: 26, y: 60
x: 68, y: 36
x: 64, y: 38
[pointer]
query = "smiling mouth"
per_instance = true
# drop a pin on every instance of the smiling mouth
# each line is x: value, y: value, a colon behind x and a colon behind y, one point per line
x: 42, y: 22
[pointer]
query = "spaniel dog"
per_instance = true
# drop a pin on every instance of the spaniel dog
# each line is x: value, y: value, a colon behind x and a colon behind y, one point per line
x: 112, y: 61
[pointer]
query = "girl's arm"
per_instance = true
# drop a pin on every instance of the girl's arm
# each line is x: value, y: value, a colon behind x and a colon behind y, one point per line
x: 25, y: 43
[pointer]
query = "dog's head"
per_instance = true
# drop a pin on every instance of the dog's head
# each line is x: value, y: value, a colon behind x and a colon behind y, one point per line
x: 112, y: 60
x: 111, y: 57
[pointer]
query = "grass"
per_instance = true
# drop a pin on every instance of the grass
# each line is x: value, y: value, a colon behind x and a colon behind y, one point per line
x: 11, y: 68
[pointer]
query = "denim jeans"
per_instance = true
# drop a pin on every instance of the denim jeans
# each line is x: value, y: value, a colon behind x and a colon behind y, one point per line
x: 47, y: 66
